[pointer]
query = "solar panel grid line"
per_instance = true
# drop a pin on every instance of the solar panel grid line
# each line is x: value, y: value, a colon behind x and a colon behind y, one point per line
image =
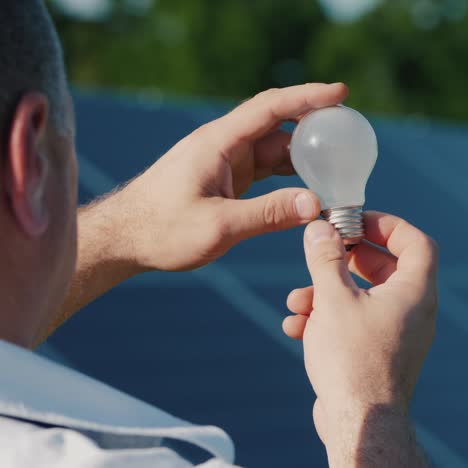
x: 268, y: 274
x: 439, y: 455
x: 248, y: 303
x: 439, y: 172
x: 94, y: 179
x: 450, y: 166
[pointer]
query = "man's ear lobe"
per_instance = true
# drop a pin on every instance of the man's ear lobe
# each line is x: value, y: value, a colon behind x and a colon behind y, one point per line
x: 26, y: 170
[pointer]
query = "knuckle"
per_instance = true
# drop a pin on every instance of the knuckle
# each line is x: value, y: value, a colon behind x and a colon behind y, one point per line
x: 429, y: 247
x: 328, y: 254
x: 203, y: 128
x: 311, y: 87
x: 267, y: 94
x: 219, y: 232
x: 273, y: 214
x: 427, y: 242
x: 314, y: 85
x: 203, y: 131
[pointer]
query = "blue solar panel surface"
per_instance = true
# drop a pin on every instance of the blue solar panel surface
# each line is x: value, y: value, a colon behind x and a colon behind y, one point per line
x: 207, y: 345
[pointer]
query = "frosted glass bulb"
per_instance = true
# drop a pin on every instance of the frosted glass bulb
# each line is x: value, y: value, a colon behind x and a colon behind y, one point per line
x: 334, y: 151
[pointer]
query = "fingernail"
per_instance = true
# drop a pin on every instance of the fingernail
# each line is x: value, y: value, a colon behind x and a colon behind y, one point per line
x: 305, y: 206
x: 319, y: 231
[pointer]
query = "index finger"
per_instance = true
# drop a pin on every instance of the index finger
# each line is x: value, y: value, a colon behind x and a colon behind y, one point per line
x: 259, y: 115
x: 417, y: 253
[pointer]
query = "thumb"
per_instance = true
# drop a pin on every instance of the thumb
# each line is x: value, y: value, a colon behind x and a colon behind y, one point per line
x: 326, y: 259
x: 282, y: 209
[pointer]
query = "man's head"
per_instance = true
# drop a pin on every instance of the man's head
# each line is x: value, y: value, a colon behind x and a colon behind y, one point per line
x: 38, y: 171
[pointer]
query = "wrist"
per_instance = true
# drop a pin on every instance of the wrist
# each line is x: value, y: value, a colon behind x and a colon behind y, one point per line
x: 357, y: 432
x: 108, y: 221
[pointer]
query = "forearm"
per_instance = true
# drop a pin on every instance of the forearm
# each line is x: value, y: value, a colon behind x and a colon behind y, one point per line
x: 105, y: 255
x: 379, y: 438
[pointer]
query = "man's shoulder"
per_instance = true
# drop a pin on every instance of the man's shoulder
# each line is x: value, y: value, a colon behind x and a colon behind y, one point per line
x: 24, y: 444
x: 40, y: 392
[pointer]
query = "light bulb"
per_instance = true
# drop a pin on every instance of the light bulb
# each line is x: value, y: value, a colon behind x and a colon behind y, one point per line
x: 334, y: 151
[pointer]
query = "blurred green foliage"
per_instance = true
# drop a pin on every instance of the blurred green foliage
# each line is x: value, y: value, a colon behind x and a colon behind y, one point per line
x: 405, y: 57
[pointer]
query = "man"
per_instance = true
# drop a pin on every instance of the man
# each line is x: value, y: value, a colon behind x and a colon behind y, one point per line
x: 371, y: 343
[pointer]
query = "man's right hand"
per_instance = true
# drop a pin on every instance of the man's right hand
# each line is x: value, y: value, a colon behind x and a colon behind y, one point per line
x: 364, y: 348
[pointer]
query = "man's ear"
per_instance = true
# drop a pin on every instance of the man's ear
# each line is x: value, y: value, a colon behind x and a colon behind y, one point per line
x: 27, y: 164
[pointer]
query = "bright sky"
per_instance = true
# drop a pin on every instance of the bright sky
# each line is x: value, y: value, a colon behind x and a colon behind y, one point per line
x: 339, y: 10
x: 97, y: 9
x: 348, y: 10
x: 85, y: 9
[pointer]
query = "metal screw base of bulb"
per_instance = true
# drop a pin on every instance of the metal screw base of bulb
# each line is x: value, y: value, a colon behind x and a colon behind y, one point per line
x: 349, y: 222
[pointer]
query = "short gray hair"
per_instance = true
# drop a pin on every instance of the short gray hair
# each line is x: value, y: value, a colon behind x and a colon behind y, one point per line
x: 31, y: 59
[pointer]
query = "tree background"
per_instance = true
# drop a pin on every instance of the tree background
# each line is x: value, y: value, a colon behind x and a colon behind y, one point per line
x: 403, y: 58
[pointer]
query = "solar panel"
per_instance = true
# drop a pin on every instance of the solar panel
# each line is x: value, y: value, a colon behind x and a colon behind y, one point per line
x: 207, y: 345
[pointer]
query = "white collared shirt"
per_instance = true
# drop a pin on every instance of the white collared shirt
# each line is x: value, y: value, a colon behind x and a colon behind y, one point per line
x: 52, y: 416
